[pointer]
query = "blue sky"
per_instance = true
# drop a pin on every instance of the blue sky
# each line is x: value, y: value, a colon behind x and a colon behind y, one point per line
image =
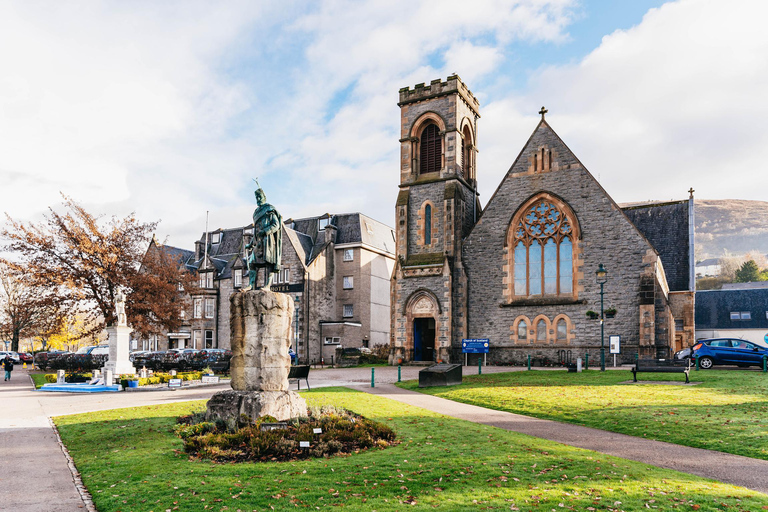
x: 170, y: 109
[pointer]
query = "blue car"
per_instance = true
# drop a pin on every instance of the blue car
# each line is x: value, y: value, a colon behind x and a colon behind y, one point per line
x: 728, y: 351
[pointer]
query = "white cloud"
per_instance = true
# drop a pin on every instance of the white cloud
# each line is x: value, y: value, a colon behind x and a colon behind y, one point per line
x: 674, y: 102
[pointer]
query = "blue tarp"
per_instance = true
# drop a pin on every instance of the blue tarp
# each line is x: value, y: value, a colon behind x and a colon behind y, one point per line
x: 81, y: 387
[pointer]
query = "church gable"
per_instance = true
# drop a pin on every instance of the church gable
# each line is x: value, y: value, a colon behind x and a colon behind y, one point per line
x: 531, y: 258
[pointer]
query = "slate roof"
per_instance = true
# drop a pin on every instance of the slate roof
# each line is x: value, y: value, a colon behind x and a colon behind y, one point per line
x: 714, y: 307
x: 350, y: 228
x: 224, y: 254
x: 665, y: 225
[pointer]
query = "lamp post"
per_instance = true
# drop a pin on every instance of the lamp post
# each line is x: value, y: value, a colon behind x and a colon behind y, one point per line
x: 602, y: 276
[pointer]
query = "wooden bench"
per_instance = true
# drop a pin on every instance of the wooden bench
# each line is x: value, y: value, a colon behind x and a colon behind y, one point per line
x: 654, y: 366
x: 300, y: 372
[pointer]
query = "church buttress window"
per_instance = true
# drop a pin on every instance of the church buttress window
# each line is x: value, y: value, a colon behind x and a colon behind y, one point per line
x: 542, y: 250
x: 431, y: 150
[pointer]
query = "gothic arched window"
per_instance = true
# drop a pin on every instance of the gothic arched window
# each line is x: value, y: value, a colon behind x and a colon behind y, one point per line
x: 431, y: 149
x: 541, y: 242
x: 428, y: 224
x: 522, y: 331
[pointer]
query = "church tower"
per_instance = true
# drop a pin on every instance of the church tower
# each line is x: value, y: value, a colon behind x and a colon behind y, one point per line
x: 436, y: 208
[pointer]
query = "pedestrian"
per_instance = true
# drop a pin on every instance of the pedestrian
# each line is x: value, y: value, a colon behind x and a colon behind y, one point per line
x: 8, y: 367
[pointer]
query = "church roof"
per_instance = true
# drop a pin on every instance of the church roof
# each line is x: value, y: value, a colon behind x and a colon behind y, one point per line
x: 666, y: 226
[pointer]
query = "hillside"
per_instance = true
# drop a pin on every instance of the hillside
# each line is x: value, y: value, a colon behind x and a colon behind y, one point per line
x: 732, y: 225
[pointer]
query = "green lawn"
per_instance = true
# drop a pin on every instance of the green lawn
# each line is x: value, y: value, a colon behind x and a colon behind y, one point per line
x: 726, y: 412
x: 130, y: 461
x: 38, y: 379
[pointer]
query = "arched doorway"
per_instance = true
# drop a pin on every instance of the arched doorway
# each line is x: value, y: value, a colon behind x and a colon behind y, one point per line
x: 422, y: 312
x: 423, y: 339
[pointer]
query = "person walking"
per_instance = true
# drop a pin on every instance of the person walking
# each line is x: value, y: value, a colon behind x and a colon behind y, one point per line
x: 8, y: 367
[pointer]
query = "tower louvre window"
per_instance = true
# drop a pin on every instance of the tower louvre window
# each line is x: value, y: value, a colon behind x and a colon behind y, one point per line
x: 431, y: 149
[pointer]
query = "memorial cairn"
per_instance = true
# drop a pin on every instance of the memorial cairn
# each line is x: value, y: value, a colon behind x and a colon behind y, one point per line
x: 260, y: 324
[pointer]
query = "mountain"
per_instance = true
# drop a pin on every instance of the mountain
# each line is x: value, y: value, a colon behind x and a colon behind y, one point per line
x: 732, y: 226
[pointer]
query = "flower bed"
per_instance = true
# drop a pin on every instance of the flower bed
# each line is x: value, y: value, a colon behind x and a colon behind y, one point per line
x: 340, y: 432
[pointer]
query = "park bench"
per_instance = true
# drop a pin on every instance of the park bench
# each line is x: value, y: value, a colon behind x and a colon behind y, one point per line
x: 654, y: 366
x: 299, y: 372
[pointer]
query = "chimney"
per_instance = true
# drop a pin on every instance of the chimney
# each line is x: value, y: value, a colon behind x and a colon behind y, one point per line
x: 198, y: 249
x: 330, y: 234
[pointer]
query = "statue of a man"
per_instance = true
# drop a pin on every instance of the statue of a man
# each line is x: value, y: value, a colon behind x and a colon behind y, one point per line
x: 267, y: 243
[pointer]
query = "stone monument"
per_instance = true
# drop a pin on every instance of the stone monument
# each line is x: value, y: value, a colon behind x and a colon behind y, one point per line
x: 119, y: 334
x: 260, y: 324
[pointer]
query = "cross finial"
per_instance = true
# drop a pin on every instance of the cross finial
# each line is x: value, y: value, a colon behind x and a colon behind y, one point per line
x: 542, y: 112
x: 691, y: 191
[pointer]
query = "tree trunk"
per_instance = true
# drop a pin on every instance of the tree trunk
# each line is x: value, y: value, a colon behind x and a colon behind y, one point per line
x: 15, y: 341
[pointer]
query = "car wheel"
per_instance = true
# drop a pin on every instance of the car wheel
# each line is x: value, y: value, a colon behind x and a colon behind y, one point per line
x: 706, y: 363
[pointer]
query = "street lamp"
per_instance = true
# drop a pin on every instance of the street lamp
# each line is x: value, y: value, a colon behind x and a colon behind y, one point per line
x: 602, y: 276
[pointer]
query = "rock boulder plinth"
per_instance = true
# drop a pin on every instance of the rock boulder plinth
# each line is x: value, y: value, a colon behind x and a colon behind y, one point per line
x: 260, y: 323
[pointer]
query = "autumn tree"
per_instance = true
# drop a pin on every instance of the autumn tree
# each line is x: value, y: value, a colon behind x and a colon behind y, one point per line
x: 25, y: 309
x: 86, y: 259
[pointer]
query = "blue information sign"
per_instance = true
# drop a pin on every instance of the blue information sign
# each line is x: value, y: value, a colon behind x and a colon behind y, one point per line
x: 475, y: 346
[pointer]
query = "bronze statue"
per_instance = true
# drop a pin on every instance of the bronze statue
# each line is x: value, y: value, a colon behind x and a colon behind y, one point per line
x: 266, y: 245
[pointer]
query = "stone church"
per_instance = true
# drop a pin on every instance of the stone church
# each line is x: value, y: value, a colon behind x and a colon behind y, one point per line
x: 522, y: 271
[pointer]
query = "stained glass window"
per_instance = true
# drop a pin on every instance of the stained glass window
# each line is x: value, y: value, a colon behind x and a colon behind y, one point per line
x: 541, y: 331
x: 543, y: 251
x: 522, y: 330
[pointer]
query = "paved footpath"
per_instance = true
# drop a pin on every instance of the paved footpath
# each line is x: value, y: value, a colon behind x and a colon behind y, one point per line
x: 35, y: 476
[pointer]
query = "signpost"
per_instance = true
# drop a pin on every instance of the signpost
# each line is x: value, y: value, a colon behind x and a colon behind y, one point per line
x: 475, y: 346
x: 614, y: 343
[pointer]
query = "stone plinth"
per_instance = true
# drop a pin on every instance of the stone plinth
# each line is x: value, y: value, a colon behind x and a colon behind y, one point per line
x: 440, y: 375
x: 119, y: 345
x: 260, y: 323
x: 282, y: 405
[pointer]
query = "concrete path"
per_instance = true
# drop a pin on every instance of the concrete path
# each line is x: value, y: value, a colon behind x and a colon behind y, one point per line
x: 35, y: 476
x: 732, y: 469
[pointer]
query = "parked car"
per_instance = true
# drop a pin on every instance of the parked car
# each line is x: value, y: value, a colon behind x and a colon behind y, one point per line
x: 26, y: 357
x: 682, y: 355
x: 85, y: 359
x: 45, y: 360
x: 14, y: 356
x: 715, y: 351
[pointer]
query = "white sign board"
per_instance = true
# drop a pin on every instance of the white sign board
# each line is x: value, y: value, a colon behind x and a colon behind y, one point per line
x: 615, y: 344
x: 174, y: 383
x: 210, y: 379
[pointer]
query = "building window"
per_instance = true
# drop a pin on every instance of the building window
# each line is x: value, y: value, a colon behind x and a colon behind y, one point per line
x: 322, y: 223
x: 209, y: 339
x: 431, y: 149
x: 180, y: 287
x: 522, y: 331
x: 206, y: 280
x: 349, y: 254
x: 196, y: 339
x: 197, y: 308
x: 428, y: 224
x: 562, y: 331
x: 741, y: 315
x: 215, y: 238
x: 348, y: 311
x: 237, y: 275
x: 541, y: 331
x: 329, y: 340
x: 209, y: 308
x: 348, y: 282
x: 542, y: 250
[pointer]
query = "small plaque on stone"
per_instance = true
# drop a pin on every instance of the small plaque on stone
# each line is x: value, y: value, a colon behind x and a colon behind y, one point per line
x: 274, y: 426
x: 317, y: 430
x: 303, y: 444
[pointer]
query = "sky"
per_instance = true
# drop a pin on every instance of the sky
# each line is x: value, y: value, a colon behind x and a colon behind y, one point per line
x: 171, y: 109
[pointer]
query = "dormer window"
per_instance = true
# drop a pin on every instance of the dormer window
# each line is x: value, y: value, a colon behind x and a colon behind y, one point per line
x: 206, y: 280
x: 215, y: 238
x: 323, y: 223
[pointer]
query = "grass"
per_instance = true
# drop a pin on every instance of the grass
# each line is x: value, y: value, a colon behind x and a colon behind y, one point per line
x: 38, y: 379
x: 726, y: 412
x: 130, y: 461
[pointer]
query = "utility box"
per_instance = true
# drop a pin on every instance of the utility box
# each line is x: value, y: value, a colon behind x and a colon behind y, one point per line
x: 442, y: 374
